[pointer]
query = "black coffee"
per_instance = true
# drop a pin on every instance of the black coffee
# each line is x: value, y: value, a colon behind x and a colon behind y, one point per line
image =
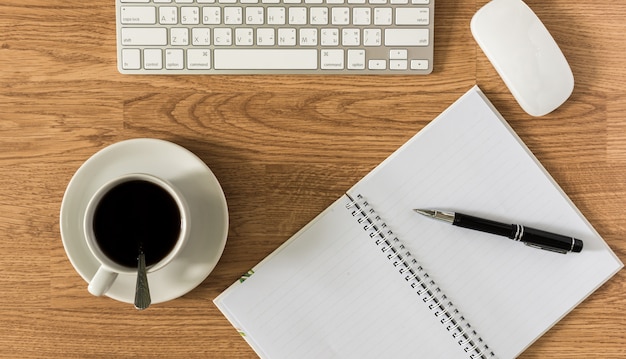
x: 136, y: 214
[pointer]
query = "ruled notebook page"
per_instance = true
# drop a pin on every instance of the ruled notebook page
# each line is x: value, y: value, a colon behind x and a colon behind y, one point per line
x: 469, y: 161
x: 330, y: 293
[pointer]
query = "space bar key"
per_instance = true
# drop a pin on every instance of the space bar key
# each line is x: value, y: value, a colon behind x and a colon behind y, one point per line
x: 265, y: 59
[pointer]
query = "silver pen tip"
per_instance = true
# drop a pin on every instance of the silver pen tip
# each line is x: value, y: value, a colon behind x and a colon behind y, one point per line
x: 426, y: 212
x: 440, y: 215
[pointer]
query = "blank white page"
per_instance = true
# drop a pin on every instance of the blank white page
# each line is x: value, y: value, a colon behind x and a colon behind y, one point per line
x: 329, y: 292
x: 469, y: 160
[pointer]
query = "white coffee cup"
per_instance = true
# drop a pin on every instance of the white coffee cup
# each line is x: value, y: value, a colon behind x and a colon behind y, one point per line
x: 100, y: 239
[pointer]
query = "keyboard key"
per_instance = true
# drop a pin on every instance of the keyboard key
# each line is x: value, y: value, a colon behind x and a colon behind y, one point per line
x: 198, y: 59
x: 222, y: 36
x: 233, y: 15
x: 131, y: 59
x: 361, y: 16
x: 398, y: 64
x: 382, y: 16
x: 377, y: 64
x: 412, y: 16
x: 189, y: 15
x: 211, y: 15
x: 265, y: 59
x: 331, y: 59
x: 137, y: 36
x: 340, y: 16
x: 255, y: 15
x: 276, y: 15
x: 201, y: 36
x: 372, y: 37
x: 244, y: 36
x: 356, y: 59
x: 152, y: 59
x: 174, y: 59
x: 297, y: 16
x: 351, y: 37
x: 168, y: 15
x: 330, y: 37
x: 398, y: 54
x: 286, y: 37
x: 138, y: 15
x: 308, y: 37
x: 265, y: 37
x: 319, y: 16
x: 419, y: 64
x: 179, y: 36
x: 406, y: 37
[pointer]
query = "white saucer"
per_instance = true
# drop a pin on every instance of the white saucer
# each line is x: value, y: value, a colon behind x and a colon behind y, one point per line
x: 207, y: 205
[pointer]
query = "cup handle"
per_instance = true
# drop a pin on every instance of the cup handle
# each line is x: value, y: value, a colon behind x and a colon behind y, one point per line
x: 101, y: 282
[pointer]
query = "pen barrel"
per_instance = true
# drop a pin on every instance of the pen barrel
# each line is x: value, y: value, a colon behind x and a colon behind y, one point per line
x: 483, y: 225
x: 548, y: 240
x: 530, y: 236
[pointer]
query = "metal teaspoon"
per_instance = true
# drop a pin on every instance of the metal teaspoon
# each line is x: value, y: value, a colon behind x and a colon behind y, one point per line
x: 142, y: 291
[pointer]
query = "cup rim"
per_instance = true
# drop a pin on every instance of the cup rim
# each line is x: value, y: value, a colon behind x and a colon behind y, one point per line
x: 89, y: 234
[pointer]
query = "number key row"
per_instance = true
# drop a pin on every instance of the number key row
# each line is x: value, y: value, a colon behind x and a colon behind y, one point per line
x: 256, y: 15
x: 414, y: 2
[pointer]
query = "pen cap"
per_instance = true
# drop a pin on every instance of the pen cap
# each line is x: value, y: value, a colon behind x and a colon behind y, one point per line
x: 578, y: 245
x: 551, y: 241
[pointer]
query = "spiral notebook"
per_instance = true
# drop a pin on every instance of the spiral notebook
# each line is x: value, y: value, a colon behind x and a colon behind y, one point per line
x: 369, y: 278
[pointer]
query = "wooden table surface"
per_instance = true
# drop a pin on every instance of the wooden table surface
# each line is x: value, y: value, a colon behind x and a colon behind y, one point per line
x: 283, y: 148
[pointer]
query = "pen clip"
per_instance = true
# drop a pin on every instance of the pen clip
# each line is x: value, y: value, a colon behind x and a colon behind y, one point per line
x: 546, y: 248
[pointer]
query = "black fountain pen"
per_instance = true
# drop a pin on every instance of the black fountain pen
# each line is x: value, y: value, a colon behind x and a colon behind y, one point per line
x: 530, y: 236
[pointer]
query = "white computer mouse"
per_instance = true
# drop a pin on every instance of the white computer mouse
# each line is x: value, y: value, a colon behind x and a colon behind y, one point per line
x: 525, y: 55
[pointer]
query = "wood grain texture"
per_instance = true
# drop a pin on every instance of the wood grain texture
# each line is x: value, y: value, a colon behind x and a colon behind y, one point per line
x: 283, y: 148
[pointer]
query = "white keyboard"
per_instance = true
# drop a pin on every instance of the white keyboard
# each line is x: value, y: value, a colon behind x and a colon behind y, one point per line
x: 275, y: 36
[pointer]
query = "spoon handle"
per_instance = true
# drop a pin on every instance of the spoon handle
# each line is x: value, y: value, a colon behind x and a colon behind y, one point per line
x: 142, y: 291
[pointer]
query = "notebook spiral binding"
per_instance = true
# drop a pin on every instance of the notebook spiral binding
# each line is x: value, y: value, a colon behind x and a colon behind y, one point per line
x: 418, y: 278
